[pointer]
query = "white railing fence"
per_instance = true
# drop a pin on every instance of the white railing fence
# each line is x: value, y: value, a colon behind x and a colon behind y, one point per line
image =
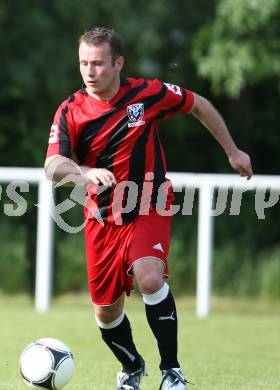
x: 44, y: 239
x: 205, y: 183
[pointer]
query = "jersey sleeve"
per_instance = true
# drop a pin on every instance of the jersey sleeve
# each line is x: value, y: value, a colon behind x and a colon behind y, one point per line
x: 176, y: 100
x: 62, y: 133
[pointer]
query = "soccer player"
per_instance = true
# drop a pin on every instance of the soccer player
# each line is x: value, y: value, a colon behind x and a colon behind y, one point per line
x: 111, y: 125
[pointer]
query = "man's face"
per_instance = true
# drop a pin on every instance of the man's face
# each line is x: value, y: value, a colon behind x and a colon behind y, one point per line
x: 99, y: 74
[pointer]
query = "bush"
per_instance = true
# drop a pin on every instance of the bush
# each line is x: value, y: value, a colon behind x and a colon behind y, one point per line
x: 254, y: 275
x: 70, y: 264
x: 13, y: 263
x: 182, y: 265
x: 270, y: 275
x: 235, y: 271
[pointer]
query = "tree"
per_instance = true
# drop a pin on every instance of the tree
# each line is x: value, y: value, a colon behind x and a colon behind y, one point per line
x: 240, y: 46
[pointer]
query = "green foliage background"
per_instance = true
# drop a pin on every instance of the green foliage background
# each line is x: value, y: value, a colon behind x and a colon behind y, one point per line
x: 225, y: 50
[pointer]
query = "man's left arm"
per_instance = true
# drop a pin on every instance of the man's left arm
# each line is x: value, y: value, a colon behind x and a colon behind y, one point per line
x: 213, y: 121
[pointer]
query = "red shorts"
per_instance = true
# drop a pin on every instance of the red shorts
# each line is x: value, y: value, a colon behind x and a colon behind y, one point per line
x: 111, y: 251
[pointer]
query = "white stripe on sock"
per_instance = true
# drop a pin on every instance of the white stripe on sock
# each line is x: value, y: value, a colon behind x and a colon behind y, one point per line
x: 131, y: 357
x: 112, y: 324
x: 160, y: 295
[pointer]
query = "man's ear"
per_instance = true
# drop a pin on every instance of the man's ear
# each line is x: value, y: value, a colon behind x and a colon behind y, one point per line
x: 119, y: 63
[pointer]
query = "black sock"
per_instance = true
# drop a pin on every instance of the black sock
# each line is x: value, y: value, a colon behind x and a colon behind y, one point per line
x: 119, y: 340
x: 162, y: 319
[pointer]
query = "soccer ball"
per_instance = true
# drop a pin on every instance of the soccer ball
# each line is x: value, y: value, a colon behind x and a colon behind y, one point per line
x: 46, y: 363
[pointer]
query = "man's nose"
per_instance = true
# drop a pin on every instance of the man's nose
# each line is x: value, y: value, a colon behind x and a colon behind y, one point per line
x: 90, y: 71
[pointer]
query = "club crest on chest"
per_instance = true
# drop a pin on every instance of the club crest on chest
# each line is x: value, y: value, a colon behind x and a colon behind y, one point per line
x: 135, y: 113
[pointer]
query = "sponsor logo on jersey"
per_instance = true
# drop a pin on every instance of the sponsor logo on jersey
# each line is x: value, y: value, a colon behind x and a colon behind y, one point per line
x: 135, y: 113
x: 53, y: 134
x: 174, y: 88
x: 158, y: 247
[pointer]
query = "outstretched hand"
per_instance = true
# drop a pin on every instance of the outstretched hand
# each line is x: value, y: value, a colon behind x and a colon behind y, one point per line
x: 99, y: 176
x: 241, y: 162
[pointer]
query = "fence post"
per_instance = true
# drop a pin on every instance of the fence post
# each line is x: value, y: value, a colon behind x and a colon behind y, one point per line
x: 204, y: 250
x: 43, y: 279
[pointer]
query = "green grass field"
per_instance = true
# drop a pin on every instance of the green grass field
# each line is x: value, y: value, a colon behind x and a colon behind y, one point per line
x: 237, y: 347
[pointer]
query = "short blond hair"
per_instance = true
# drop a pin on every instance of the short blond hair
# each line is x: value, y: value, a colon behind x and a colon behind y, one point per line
x: 99, y: 35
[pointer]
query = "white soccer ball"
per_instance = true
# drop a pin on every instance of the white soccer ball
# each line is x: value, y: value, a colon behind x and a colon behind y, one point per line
x: 46, y: 363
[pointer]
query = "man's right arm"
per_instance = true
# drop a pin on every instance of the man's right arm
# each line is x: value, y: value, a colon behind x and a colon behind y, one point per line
x: 213, y: 121
x: 63, y: 170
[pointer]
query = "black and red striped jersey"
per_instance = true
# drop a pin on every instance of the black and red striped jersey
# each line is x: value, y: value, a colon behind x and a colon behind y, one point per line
x: 120, y: 135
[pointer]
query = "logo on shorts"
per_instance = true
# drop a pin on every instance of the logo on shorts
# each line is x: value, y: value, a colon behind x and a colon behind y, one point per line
x: 135, y: 114
x: 158, y: 247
